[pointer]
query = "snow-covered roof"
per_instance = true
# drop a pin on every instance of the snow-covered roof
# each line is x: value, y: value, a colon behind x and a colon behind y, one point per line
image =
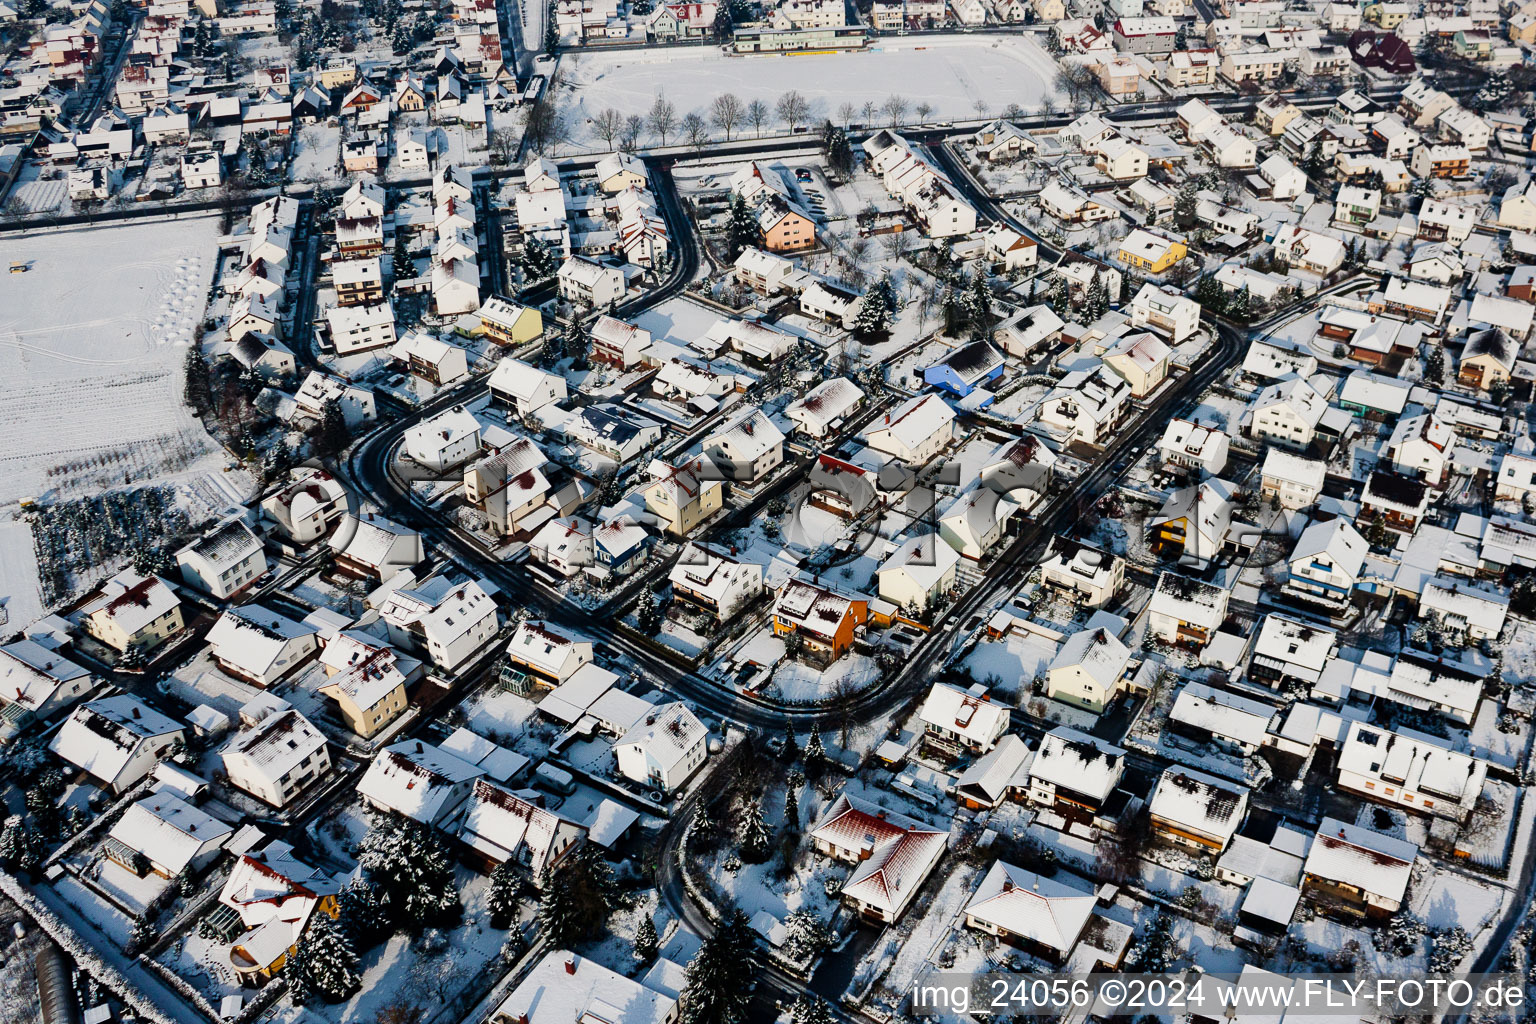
x: 543, y: 647
x: 167, y: 829
x: 1077, y: 761
x: 1223, y: 714
x: 30, y: 673
x: 565, y: 988
x: 1190, y: 600
x: 1296, y: 469
x: 416, y: 779
x: 1416, y: 763
x: 1199, y: 802
x: 925, y: 559
x: 132, y: 601
x: 1464, y: 603
x: 252, y: 637
x: 277, y: 743
x: 496, y: 761
x: 102, y: 735
x: 667, y: 734
x: 915, y: 420
x: 1044, y: 910
x: 1338, y: 540
x: 993, y: 772
x: 1374, y: 863
x: 972, y: 715
x: 502, y: 824
x: 1097, y: 652
x: 1297, y: 647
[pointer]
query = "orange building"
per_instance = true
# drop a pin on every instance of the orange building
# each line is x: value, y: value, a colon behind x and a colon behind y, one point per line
x: 825, y: 620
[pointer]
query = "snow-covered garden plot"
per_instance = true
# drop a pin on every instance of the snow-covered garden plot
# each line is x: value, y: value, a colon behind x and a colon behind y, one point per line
x: 1455, y: 900
x: 796, y: 682
x: 951, y: 75
x: 90, y: 363
x: 914, y: 946
x: 1008, y: 666
x: 1498, y: 736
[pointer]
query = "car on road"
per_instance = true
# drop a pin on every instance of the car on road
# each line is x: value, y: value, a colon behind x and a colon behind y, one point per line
x: 803, y: 174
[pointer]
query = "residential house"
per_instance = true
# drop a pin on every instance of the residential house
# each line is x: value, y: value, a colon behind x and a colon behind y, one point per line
x: 1197, y: 810
x: 664, y: 749
x: 1326, y: 564
x: 277, y: 754
x: 133, y: 611
x: 893, y: 855
x: 260, y: 646
x: 1185, y: 611
x: 117, y: 740
x: 1088, y: 669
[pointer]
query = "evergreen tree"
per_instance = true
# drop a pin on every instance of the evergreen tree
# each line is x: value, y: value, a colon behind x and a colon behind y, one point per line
x: 1210, y: 295
x: 805, y: 935
x: 1434, y: 366
x: 538, y: 260
x: 752, y: 836
x: 815, y: 753
x: 405, y: 269
x: 330, y: 964
x: 1241, y: 304
x: 721, y: 975
x: 21, y: 849
x: 978, y: 305
x: 411, y: 873
x: 361, y: 914
x: 1096, y: 303
x: 331, y: 435
x: 791, y: 749
x: 791, y: 810
x: 873, y: 320
x: 811, y: 1010
x: 1184, y: 204
x: 196, y: 387
x: 551, y: 32
x: 296, y: 970
x: 646, y: 945
x: 505, y: 896
x: 575, y: 344
x: 741, y: 227
x: 575, y: 906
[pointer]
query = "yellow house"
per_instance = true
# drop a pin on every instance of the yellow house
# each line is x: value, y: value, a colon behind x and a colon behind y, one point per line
x: 1049, y: 10
x: 1150, y: 253
x: 682, y: 496
x: 339, y: 75
x: 410, y: 94
x: 1522, y: 28
x: 134, y: 611
x: 1387, y: 15
x: 509, y: 322
x: 365, y: 679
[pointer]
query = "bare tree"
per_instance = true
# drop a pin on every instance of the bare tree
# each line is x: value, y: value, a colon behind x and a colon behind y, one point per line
x: 695, y: 128
x: 662, y: 117
x: 1048, y: 106
x: 846, y: 112
x: 608, y: 125
x: 981, y: 106
x: 792, y: 109
x: 758, y: 116
x: 634, y: 124
x: 726, y: 113
x: 869, y: 109
x: 503, y: 143
x: 895, y: 109
x: 923, y: 110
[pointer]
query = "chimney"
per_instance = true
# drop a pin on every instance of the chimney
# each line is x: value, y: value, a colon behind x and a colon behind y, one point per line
x: 135, y: 712
x: 570, y: 965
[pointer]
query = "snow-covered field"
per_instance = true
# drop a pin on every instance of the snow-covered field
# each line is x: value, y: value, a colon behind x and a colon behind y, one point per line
x: 91, y: 372
x: 90, y: 363
x: 951, y: 74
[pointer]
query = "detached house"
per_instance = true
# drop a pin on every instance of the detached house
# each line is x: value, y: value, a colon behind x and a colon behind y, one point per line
x: 1410, y: 770
x: 1086, y: 576
x: 277, y: 754
x: 823, y: 620
x: 891, y: 853
x: 1075, y: 774
x: 260, y: 646
x: 548, y: 657
x: 1326, y: 564
x: 133, y: 611
x: 499, y: 826
x: 1088, y: 670
x: 914, y: 431
x: 1185, y: 611
x: 418, y: 780
x: 224, y: 562
x: 714, y: 580
x: 1196, y: 810
x: 265, y: 907
x: 1042, y: 916
x: 664, y: 749
x: 117, y: 741
x: 1357, y: 872
x: 959, y: 721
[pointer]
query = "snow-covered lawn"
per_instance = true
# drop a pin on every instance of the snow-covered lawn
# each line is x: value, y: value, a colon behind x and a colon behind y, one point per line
x: 796, y: 681
x: 950, y: 74
x: 1012, y: 663
x: 1455, y: 899
x: 90, y: 363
